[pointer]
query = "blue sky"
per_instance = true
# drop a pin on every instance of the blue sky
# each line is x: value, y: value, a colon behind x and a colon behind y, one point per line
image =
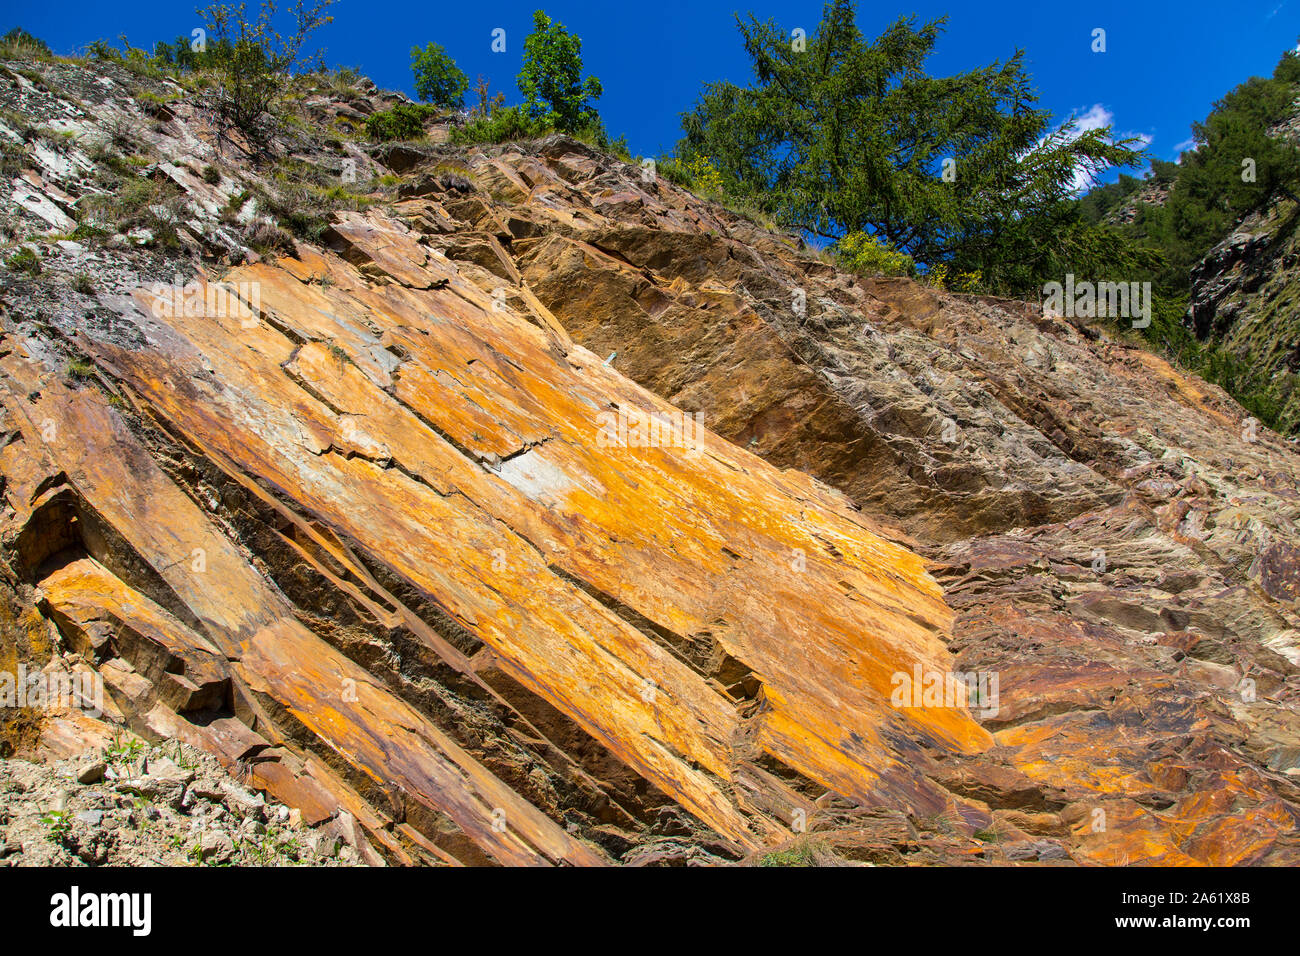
x: 1164, y: 65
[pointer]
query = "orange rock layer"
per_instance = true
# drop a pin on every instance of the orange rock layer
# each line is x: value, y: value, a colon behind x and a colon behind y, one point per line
x: 448, y: 465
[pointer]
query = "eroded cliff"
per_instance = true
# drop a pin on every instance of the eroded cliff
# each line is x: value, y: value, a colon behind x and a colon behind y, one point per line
x: 405, y: 521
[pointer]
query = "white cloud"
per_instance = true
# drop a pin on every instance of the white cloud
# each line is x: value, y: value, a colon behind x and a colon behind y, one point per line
x: 1094, y: 118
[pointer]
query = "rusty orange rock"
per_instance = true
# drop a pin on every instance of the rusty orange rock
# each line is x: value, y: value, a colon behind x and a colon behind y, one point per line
x: 547, y: 514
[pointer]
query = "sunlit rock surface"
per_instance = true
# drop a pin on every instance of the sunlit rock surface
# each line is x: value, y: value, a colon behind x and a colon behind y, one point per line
x: 549, y: 514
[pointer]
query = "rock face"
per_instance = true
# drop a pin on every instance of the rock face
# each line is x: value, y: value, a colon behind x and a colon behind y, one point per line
x: 546, y: 513
x: 1244, y: 297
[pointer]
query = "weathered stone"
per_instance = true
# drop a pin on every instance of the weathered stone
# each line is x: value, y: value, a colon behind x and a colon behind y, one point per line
x: 92, y: 772
x: 409, y: 516
x: 216, y: 846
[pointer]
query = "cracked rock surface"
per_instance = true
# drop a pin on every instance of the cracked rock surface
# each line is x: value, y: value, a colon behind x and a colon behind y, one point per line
x: 412, y: 533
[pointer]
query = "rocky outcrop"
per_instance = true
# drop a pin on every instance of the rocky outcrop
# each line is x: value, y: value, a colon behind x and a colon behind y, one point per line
x: 1117, y: 538
x: 541, y: 512
x: 1244, y: 295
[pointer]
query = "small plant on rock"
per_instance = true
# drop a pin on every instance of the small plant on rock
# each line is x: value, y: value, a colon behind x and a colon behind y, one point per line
x: 57, y: 824
x: 403, y: 122
x: 267, y: 238
x: 24, y: 261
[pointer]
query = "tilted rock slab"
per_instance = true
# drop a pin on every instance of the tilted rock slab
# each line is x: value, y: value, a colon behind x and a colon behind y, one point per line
x: 1120, y: 541
x: 728, y: 630
x: 401, y: 550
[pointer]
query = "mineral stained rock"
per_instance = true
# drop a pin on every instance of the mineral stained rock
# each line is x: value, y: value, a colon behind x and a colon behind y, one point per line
x: 549, y: 514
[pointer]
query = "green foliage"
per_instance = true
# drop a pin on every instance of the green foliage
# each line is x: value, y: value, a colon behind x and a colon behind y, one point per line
x: 182, y: 56
x: 437, y: 78
x: 939, y: 277
x: 403, y: 121
x: 79, y: 369
x: 697, y: 174
x: 1102, y: 202
x: 675, y: 171
x: 851, y: 136
x: 130, y: 201
x: 58, y: 823
x: 24, y: 261
x: 304, y: 198
x: 130, y: 58
x: 12, y: 159
x: 124, y: 751
x: 253, y: 66
x: 101, y: 50
x: 19, y: 44
x: 1211, y: 188
x: 551, y: 79
x: 1205, y: 195
x: 504, y: 125
x: 803, y: 851
x: 1257, y: 392
x: 866, y: 255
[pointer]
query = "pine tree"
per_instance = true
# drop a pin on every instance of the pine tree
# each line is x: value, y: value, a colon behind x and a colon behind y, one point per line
x: 840, y: 135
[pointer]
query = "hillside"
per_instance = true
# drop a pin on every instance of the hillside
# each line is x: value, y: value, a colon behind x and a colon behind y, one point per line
x: 1223, y: 219
x: 392, y: 508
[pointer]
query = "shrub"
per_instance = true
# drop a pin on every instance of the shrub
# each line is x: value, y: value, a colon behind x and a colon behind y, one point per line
x: 437, y: 78
x: 866, y: 255
x: 487, y: 104
x: 18, y: 44
x: 12, y: 159
x: 696, y: 173
x: 135, y: 60
x: 403, y: 121
x: 939, y: 277
x: 80, y: 369
x: 255, y: 60
x: 100, y: 50
x: 508, y: 124
x: 703, y: 175
x: 672, y: 169
x: 594, y: 135
x: 267, y: 238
